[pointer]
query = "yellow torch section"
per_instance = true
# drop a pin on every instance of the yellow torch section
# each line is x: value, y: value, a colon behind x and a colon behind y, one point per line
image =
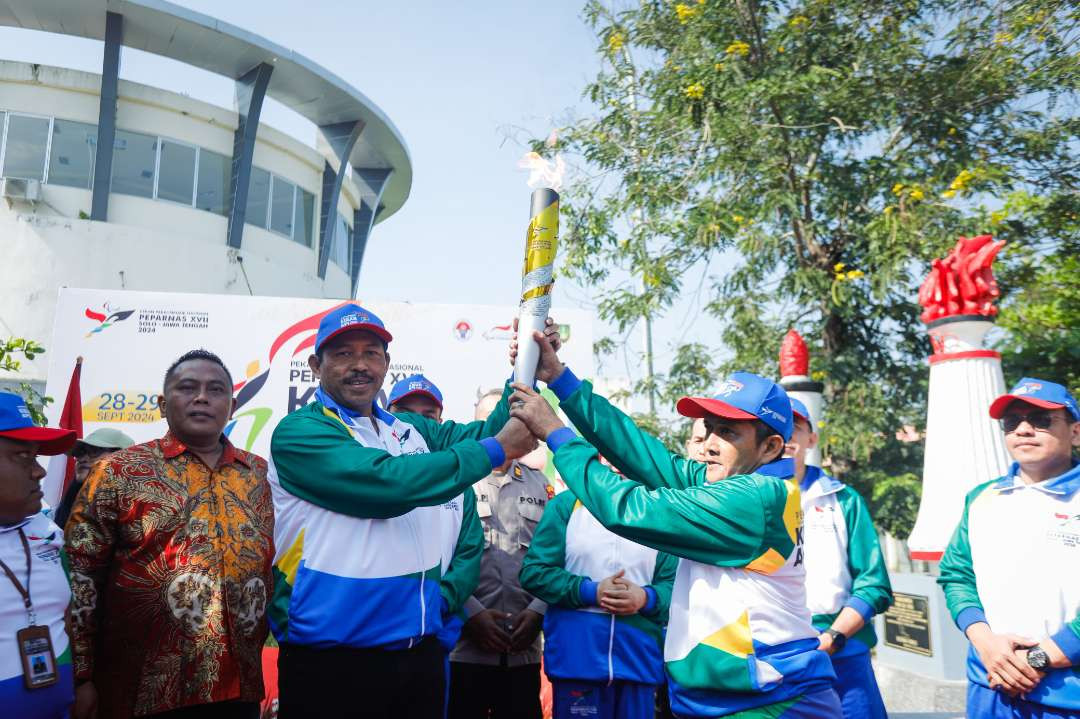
x: 541, y: 239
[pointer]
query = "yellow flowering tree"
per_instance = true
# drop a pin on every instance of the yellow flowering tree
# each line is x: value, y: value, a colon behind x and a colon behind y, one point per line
x: 854, y: 140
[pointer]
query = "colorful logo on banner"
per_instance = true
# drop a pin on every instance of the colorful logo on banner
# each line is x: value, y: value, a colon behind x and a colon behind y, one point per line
x: 106, y: 319
x: 256, y: 374
x: 463, y: 330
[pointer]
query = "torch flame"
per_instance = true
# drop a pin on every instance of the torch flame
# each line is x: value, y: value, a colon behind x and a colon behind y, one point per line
x: 543, y: 173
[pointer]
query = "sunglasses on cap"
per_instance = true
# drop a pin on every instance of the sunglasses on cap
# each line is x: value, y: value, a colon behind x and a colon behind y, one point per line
x: 1039, y: 419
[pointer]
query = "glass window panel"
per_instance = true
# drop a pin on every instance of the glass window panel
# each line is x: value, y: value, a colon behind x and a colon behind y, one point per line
x: 258, y: 197
x: 176, y: 173
x: 339, y: 250
x: 214, y: 172
x: 26, y: 141
x: 73, y: 153
x: 304, y: 221
x: 134, y: 155
x: 281, y: 208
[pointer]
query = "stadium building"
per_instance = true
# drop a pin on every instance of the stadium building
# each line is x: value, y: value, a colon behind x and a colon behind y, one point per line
x: 112, y: 184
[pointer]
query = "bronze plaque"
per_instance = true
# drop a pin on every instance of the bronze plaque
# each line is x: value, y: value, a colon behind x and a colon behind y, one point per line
x: 907, y: 624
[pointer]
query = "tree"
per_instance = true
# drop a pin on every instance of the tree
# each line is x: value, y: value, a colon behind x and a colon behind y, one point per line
x: 10, y: 351
x: 832, y: 148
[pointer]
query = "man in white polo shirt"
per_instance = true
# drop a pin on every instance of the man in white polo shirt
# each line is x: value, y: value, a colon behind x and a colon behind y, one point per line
x: 1011, y: 573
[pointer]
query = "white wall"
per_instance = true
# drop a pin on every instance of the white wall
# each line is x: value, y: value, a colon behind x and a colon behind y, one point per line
x: 147, y: 244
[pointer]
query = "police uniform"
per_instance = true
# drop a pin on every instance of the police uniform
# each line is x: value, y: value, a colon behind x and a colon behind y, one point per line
x: 510, y: 505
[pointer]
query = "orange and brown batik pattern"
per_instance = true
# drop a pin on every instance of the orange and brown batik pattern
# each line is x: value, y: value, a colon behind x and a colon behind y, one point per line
x: 170, y: 573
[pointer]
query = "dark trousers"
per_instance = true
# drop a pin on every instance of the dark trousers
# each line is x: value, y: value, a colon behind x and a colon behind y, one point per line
x: 217, y: 710
x: 482, y: 691
x: 342, y: 682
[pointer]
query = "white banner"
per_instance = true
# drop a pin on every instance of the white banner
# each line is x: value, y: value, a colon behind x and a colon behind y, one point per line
x: 128, y: 339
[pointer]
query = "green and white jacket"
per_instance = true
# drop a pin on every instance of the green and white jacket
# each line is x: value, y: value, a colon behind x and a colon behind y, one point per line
x: 739, y: 635
x: 844, y: 563
x: 1014, y: 563
x: 377, y: 539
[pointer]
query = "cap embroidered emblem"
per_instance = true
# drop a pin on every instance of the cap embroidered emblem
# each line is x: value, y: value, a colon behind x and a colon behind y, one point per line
x: 728, y: 387
x: 1028, y: 388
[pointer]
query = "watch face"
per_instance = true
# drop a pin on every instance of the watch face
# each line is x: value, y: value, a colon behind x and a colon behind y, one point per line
x: 1037, y: 658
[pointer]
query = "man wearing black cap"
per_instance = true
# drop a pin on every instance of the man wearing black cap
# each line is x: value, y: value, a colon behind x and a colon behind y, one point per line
x: 1010, y: 571
x: 372, y: 512
x: 36, y: 679
x: 739, y: 640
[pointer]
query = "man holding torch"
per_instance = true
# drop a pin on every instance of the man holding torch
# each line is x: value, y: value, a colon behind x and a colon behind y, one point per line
x: 741, y: 643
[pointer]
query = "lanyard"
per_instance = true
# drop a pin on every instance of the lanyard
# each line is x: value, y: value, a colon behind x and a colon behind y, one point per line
x: 23, y: 591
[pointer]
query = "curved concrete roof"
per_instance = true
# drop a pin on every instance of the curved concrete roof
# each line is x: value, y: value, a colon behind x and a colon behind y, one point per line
x: 165, y: 29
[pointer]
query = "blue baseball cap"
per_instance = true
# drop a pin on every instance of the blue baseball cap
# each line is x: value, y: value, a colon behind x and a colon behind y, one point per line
x: 744, y: 395
x: 799, y: 410
x: 415, y: 384
x: 1037, y: 392
x: 348, y: 318
x: 17, y: 423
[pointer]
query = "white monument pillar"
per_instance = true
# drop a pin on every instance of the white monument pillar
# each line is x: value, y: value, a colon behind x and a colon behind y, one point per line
x: 964, y: 446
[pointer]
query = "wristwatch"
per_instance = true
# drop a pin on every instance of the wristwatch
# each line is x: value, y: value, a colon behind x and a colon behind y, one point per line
x: 1037, y: 658
x: 839, y: 639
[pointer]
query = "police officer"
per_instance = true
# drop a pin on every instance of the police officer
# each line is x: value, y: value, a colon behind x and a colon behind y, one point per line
x: 495, y: 667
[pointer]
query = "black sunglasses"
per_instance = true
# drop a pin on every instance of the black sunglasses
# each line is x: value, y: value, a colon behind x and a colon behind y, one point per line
x: 1039, y: 420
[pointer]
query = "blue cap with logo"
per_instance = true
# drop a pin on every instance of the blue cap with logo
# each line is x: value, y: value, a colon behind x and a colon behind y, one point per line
x: 348, y: 318
x: 17, y: 423
x: 1041, y: 394
x: 744, y: 395
x: 799, y: 410
x: 415, y: 384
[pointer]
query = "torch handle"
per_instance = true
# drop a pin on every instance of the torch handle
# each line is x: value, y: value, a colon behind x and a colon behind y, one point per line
x: 528, y: 355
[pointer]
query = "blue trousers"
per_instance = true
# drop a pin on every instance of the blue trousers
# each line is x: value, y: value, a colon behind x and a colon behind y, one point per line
x: 601, y: 700
x: 985, y: 703
x: 857, y: 688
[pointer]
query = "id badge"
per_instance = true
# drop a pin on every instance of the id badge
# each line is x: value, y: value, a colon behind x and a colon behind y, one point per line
x: 38, y: 659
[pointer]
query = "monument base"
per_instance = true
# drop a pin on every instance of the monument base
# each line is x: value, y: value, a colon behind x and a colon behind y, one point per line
x: 921, y: 657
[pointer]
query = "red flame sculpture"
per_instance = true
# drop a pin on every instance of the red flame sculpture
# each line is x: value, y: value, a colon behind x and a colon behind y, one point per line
x: 794, y: 357
x: 962, y: 283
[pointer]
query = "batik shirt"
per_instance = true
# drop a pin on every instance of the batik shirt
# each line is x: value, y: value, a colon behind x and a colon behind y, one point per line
x: 170, y: 572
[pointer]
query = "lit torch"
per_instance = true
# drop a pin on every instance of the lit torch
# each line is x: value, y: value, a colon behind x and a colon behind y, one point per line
x: 537, y: 275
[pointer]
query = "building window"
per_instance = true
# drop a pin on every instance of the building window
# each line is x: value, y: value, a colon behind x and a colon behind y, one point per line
x: 26, y: 144
x: 72, y: 154
x: 176, y: 173
x: 213, y: 185
x: 134, y: 159
x: 339, y: 248
x: 304, y: 218
x: 281, y: 207
x: 258, y: 201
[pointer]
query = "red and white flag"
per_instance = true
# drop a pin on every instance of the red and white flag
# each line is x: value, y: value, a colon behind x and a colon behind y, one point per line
x: 61, y: 470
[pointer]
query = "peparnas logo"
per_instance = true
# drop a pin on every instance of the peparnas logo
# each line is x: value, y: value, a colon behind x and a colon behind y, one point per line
x: 106, y: 319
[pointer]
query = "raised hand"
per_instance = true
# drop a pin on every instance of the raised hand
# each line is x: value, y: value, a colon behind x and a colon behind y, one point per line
x: 516, y: 438
x: 532, y: 409
x: 549, y: 366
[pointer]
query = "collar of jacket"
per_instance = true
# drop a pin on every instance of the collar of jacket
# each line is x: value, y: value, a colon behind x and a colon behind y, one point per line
x: 1065, y: 483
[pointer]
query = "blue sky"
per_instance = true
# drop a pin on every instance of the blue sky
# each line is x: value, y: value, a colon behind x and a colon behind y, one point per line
x: 461, y: 81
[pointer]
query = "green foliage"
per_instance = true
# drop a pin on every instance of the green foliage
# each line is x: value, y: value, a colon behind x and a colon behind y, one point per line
x: 826, y: 151
x: 895, y: 502
x: 12, y: 350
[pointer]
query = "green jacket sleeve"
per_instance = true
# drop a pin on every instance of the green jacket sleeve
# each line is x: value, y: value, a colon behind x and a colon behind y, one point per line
x: 317, y: 459
x: 957, y: 575
x: 463, y: 573
x: 724, y: 523
x: 663, y: 580
x: 634, y: 452
x: 870, y: 584
x: 443, y: 435
x: 543, y: 570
